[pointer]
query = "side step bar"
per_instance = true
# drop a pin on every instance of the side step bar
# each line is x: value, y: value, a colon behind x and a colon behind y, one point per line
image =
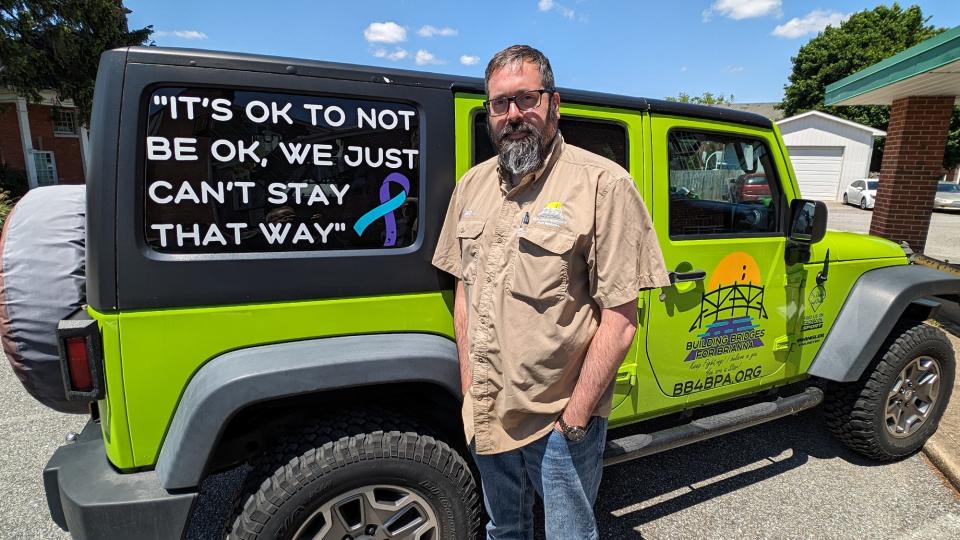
x: 645, y: 444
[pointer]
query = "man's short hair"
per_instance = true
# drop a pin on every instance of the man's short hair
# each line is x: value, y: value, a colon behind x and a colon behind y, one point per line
x: 516, y: 55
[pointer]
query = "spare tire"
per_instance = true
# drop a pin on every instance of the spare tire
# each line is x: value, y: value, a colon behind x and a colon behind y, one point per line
x: 42, y: 280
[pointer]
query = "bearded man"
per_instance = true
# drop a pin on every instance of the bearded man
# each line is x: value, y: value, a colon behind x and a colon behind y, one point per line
x: 550, y: 245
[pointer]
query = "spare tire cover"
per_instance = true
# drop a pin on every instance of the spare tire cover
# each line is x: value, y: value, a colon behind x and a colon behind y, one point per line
x: 42, y: 280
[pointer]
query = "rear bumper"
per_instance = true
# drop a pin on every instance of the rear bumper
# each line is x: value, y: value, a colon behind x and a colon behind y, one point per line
x: 90, y: 499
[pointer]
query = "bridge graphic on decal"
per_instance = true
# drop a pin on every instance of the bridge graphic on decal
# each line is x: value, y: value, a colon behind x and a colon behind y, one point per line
x: 731, y: 300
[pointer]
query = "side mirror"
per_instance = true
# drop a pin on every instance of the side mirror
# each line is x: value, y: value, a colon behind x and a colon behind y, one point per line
x: 808, y: 221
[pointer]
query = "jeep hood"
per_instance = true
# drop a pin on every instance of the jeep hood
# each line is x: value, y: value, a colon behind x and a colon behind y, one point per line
x: 849, y: 246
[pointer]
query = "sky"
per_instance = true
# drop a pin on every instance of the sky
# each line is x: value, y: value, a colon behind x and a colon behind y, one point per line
x: 637, y: 48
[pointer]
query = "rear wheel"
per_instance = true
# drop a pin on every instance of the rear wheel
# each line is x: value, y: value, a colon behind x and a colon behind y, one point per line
x: 846, y: 200
x: 897, y: 404
x: 375, y: 485
x: 863, y: 203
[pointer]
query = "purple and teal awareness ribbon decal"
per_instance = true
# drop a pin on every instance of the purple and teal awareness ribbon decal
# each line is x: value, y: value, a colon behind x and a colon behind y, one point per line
x: 385, y: 209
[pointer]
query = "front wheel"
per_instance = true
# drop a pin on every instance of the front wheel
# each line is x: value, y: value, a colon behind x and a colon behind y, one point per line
x: 372, y: 485
x: 846, y: 199
x: 863, y: 203
x: 897, y: 404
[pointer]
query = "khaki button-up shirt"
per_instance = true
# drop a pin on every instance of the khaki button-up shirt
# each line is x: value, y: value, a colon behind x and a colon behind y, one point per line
x: 538, y: 261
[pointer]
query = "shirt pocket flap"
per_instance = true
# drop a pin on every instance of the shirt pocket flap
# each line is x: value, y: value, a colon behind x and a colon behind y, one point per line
x: 470, y: 229
x: 552, y: 240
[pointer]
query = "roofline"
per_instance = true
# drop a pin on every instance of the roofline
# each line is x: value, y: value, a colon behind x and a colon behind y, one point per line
x: 874, y: 131
x: 383, y: 75
x: 925, y: 56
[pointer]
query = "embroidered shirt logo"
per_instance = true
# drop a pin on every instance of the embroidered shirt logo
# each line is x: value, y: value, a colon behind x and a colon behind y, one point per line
x: 551, y: 215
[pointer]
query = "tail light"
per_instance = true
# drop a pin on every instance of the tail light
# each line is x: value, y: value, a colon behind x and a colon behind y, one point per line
x: 81, y: 357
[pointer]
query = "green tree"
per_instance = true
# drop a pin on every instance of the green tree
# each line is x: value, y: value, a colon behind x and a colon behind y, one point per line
x: 864, y: 39
x: 707, y: 98
x: 56, y: 45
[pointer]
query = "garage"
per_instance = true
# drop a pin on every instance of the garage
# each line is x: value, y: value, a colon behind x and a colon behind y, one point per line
x: 818, y: 170
x: 827, y: 152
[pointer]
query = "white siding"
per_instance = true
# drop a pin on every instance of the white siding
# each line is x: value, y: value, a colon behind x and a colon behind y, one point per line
x: 817, y: 131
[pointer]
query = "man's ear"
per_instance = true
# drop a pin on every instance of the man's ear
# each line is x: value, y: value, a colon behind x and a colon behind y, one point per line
x: 555, y: 102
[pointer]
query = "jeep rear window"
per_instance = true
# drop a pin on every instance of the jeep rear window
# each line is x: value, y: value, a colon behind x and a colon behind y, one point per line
x: 601, y: 137
x: 721, y: 185
x: 233, y: 171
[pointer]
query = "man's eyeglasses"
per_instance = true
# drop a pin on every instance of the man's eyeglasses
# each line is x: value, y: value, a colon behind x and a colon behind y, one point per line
x: 526, y: 101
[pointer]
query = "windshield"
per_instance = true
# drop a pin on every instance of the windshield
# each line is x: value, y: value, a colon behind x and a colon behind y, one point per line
x: 872, y: 185
x: 948, y: 188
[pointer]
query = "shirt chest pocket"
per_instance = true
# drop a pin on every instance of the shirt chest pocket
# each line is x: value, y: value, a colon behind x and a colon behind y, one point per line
x: 540, y: 270
x: 468, y: 233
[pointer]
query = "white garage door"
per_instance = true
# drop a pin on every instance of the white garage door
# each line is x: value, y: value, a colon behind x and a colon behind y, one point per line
x: 818, y: 170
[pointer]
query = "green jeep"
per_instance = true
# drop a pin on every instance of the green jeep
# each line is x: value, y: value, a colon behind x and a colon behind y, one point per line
x: 259, y: 293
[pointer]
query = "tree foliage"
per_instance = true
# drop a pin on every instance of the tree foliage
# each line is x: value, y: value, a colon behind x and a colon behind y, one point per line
x: 707, y: 98
x: 56, y: 45
x: 864, y: 39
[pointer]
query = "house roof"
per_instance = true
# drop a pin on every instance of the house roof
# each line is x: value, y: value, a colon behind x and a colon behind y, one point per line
x: 873, y: 131
x: 929, y: 68
x: 768, y: 109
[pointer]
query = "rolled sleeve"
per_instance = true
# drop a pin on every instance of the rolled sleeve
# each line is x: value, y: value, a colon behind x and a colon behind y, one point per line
x: 447, y: 256
x: 625, y: 256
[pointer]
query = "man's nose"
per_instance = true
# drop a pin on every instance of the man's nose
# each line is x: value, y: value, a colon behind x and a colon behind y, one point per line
x: 513, y: 111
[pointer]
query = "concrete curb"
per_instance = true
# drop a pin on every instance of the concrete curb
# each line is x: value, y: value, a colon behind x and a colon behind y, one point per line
x: 942, y: 459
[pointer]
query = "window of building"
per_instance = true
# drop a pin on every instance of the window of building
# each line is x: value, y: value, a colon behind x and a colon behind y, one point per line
x: 602, y: 137
x: 722, y: 184
x: 237, y: 171
x: 65, y: 121
x: 46, y: 168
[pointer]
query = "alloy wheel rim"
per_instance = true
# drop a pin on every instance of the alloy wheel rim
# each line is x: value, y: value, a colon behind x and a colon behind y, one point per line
x: 375, y: 512
x: 913, y: 396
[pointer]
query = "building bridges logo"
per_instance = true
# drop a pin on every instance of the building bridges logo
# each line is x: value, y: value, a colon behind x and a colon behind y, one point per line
x: 730, y: 310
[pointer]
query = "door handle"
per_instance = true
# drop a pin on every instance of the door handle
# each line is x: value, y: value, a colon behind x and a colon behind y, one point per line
x: 680, y: 277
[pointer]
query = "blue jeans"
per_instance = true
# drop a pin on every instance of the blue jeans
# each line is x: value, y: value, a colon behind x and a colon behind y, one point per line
x: 565, y: 474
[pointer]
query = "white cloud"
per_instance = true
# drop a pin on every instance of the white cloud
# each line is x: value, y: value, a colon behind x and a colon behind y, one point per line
x: 548, y: 5
x: 385, y: 32
x: 428, y: 31
x: 743, y: 9
x: 733, y: 69
x: 425, y: 57
x: 468, y: 60
x: 811, y: 23
x: 396, y: 54
x: 182, y: 34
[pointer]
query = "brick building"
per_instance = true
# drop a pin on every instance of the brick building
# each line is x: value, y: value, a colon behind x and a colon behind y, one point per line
x: 43, y: 139
x: 922, y: 87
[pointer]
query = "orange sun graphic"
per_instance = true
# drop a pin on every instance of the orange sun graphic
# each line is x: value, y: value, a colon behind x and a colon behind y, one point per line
x: 737, y: 267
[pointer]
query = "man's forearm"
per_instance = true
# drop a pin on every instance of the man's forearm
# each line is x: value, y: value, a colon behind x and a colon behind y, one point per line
x: 460, y: 331
x: 610, y: 344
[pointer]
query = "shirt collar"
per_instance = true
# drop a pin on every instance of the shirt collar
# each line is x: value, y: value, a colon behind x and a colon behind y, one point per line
x: 556, y: 149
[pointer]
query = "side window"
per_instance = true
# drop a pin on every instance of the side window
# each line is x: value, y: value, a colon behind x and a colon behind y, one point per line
x: 722, y: 184
x: 241, y: 171
x: 605, y: 138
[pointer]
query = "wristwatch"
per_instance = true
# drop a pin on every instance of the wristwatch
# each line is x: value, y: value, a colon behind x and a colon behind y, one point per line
x: 572, y: 433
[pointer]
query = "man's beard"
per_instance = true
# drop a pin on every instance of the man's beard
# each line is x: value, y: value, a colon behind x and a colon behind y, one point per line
x: 525, y: 155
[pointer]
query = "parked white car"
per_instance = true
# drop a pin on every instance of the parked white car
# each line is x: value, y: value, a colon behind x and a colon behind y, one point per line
x: 861, y: 193
x: 947, y: 197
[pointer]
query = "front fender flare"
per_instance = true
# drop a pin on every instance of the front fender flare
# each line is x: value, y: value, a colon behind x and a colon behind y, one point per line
x: 875, y: 303
x: 237, y: 379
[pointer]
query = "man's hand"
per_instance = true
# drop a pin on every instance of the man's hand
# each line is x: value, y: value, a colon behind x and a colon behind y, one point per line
x: 460, y: 331
x: 610, y: 344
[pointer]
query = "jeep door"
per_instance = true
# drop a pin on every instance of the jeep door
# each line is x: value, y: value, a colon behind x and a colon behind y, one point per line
x: 722, y: 328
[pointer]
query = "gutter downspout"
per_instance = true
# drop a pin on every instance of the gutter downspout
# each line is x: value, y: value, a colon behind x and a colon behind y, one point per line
x: 27, y: 142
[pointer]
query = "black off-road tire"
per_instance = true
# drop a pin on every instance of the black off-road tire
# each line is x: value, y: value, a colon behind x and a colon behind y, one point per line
x: 307, y: 469
x: 855, y: 412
